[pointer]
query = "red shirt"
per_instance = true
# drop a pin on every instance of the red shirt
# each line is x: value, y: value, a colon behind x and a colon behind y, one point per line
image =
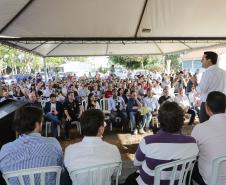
x: 108, y: 94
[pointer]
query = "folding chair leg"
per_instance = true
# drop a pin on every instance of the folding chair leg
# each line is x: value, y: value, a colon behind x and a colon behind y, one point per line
x: 130, y: 126
x: 48, y: 124
x: 110, y: 126
x: 80, y: 130
x: 46, y: 130
x: 58, y: 130
x: 78, y: 125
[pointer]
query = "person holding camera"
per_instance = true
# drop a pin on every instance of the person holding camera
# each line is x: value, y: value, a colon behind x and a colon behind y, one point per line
x: 53, y: 113
x: 117, y: 107
x: 179, y: 82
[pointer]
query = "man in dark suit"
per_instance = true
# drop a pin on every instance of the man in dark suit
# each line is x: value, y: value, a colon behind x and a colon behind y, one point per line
x: 53, y: 113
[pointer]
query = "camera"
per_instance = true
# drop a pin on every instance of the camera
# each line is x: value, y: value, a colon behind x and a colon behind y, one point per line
x: 118, y: 106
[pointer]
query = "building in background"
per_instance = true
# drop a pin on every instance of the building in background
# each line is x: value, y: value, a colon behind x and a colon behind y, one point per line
x: 191, y: 61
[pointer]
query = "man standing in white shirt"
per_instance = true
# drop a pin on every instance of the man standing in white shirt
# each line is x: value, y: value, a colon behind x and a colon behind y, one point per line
x: 213, y: 79
x: 211, y: 137
x: 92, y: 150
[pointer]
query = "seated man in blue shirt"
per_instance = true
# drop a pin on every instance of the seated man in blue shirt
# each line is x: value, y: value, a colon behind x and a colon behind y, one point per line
x: 30, y: 149
x: 133, y: 105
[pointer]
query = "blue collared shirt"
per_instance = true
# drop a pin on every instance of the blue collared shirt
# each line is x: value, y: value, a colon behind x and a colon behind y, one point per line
x: 31, y: 151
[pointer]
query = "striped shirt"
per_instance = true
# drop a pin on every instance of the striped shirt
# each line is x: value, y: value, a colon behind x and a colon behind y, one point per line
x: 161, y: 148
x: 31, y: 151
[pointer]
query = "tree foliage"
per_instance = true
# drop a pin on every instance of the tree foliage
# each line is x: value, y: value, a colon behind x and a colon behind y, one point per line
x: 152, y: 63
x: 80, y: 59
x: 134, y: 62
x: 13, y: 61
x: 175, y: 61
x: 130, y: 62
x: 54, y: 61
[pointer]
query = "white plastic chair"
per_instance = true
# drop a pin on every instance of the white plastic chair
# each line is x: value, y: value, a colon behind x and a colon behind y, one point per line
x: 43, y: 103
x: 48, y: 125
x: 215, y: 169
x: 184, y: 165
x: 104, y: 105
x: 104, y: 108
x: 84, y: 104
x: 31, y: 173
x: 98, y: 175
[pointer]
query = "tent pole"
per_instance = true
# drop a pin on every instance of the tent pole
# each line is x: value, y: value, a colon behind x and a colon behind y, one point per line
x: 45, y: 69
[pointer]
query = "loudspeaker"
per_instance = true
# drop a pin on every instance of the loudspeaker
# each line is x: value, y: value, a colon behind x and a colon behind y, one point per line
x: 7, y: 110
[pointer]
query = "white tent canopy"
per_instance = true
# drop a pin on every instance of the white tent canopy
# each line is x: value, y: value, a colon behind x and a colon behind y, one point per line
x: 111, y: 27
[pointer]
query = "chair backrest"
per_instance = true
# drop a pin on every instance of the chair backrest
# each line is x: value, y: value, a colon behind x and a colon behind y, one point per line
x: 104, y: 105
x: 84, y: 104
x: 43, y: 103
x: 176, y: 171
x: 32, y: 173
x: 97, y: 175
x: 215, y: 169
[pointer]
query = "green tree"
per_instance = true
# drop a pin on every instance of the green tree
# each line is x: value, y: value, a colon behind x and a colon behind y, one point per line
x: 155, y: 63
x: 135, y: 62
x: 17, y: 61
x: 80, y: 59
x: 175, y: 61
x: 54, y: 62
x: 103, y: 70
x: 129, y: 62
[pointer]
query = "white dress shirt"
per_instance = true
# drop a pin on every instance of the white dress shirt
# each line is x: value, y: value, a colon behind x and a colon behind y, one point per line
x: 47, y: 92
x: 97, y: 105
x: 91, y: 151
x: 64, y: 91
x: 213, y: 79
x: 183, y: 101
x: 53, y: 107
x: 158, y: 91
x: 113, y: 102
x: 211, y: 139
x: 83, y: 92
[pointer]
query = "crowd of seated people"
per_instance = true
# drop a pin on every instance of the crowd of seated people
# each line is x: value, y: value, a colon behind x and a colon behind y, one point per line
x: 134, y: 101
x: 31, y: 150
